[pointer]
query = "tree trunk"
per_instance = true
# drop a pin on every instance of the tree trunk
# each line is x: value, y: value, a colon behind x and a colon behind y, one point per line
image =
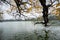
x: 45, y: 11
x: 18, y: 3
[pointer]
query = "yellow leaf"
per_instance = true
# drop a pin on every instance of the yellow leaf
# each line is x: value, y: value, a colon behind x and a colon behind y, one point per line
x: 31, y: 1
x: 29, y: 9
x: 56, y: 12
x: 57, y: 4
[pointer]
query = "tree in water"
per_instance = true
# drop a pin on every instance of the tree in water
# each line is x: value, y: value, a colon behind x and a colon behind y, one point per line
x: 45, y: 11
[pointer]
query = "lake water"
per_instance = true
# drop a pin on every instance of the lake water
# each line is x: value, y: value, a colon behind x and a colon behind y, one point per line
x: 26, y: 30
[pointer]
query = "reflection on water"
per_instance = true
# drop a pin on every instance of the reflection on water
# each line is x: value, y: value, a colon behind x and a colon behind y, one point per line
x: 26, y: 30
